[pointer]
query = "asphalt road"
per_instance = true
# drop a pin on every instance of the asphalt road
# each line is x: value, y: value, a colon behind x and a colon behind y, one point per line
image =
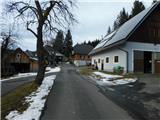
x: 9, y: 85
x: 74, y: 98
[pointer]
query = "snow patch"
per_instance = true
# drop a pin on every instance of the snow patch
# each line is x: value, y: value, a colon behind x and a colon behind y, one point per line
x: 111, y: 80
x: 107, y: 76
x: 21, y: 75
x: 36, y: 102
x: 56, y: 69
x: 48, y: 68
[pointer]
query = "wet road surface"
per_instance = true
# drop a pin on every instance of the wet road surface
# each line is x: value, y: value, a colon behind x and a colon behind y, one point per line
x: 74, y: 98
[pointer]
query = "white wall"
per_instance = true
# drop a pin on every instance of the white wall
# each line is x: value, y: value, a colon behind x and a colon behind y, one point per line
x: 128, y: 46
x: 111, y: 53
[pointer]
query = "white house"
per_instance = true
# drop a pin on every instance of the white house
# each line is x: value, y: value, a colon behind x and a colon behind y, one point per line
x: 134, y: 46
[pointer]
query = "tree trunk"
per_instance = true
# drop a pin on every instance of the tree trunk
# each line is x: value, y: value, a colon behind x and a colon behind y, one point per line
x: 41, y: 56
x: 41, y: 73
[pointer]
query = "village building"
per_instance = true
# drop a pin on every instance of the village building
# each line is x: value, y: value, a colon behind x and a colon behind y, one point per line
x: 33, y: 60
x: 54, y: 57
x: 80, y: 55
x: 135, y: 46
x: 18, y: 61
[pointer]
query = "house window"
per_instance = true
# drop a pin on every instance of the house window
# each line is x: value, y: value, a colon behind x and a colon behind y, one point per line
x: 107, y: 59
x: 99, y: 60
x: 18, y: 57
x: 94, y: 61
x: 157, y: 56
x: 116, y: 59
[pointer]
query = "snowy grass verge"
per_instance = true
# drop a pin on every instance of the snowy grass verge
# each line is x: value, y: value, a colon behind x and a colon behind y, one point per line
x: 36, y: 101
x: 111, y: 80
x: 15, y: 98
x: 21, y: 75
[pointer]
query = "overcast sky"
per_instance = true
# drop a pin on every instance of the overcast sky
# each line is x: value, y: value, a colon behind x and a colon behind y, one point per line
x: 94, y: 17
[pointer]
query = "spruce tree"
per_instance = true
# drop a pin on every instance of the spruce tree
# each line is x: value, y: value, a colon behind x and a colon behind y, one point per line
x: 115, y: 25
x: 68, y: 44
x: 89, y: 43
x: 95, y: 42
x: 58, y: 42
x: 109, y: 30
x: 154, y: 1
x: 121, y: 19
x: 137, y: 8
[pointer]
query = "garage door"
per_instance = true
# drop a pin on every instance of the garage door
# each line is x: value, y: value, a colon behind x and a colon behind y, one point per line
x: 157, y: 66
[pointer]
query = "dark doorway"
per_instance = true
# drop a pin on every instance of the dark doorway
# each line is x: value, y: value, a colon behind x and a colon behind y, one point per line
x: 102, y: 65
x: 147, y: 62
x: 138, y: 61
x: 21, y: 67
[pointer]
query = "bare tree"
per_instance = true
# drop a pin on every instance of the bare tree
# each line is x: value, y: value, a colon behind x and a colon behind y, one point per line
x: 46, y: 17
x: 8, y: 41
x: 8, y: 34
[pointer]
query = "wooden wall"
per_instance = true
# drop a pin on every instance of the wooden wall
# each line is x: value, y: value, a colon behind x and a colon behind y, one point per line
x: 81, y: 57
x: 34, y: 66
x: 149, y: 31
x: 13, y: 58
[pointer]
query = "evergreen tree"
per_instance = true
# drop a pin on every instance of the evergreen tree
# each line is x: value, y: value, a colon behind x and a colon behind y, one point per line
x: 123, y: 17
x: 92, y: 43
x: 95, y: 42
x: 154, y: 1
x: 58, y: 42
x: 89, y: 42
x: 137, y: 8
x: 84, y: 42
x: 68, y: 44
x: 109, y: 30
x: 115, y: 25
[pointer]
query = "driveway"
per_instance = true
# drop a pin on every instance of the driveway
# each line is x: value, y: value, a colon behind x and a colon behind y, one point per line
x: 152, y: 83
x: 75, y: 98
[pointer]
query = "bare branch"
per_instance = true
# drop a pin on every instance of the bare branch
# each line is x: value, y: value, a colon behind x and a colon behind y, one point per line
x: 47, y: 11
x: 31, y: 29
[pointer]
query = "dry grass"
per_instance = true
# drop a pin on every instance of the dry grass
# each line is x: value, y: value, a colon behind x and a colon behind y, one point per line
x: 15, y: 99
x: 86, y: 70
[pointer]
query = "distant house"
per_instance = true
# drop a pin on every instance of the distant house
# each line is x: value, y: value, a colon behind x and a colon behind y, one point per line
x: 33, y: 60
x: 134, y: 46
x: 18, y: 61
x: 53, y: 56
x: 59, y: 57
x: 80, y: 55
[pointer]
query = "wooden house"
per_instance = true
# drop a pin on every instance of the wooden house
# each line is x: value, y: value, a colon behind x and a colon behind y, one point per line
x: 80, y: 55
x: 54, y: 57
x: 18, y: 61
